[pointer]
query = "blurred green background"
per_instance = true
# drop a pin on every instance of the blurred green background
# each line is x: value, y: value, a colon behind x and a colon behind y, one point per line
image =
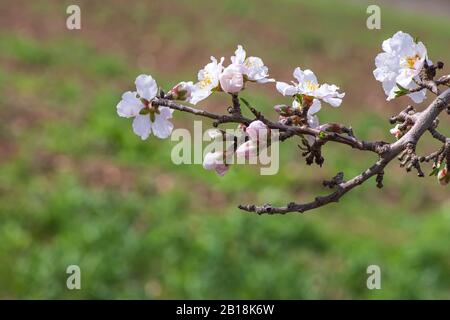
x: 78, y: 187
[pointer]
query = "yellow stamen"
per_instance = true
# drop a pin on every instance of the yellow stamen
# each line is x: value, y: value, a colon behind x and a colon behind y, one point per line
x: 206, y: 81
x: 411, y: 61
x: 311, y: 86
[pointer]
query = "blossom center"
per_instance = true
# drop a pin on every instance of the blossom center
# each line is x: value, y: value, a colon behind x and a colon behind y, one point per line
x: 248, y: 63
x: 411, y: 61
x: 311, y: 86
x: 206, y: 81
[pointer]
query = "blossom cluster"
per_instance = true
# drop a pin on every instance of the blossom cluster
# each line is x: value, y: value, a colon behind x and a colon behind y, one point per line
x: 398, y: 68
x: 215, y: 77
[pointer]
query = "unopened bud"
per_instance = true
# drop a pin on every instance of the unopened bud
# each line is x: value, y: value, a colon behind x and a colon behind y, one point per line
x: 248, y: 149
x: 257, y: 130
x: 182, y: 91
x: 282, y: 109
x: 396, y: 131
x: 443, y: 176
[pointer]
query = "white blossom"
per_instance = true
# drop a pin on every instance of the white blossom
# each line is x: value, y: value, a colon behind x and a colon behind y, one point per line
x: 400, y: 64
x: 137, y: 105
x: 252, y: 68
x: 215, y: 161
x: 208, y: 81
x: 310, y: 90
x: 258, y: 134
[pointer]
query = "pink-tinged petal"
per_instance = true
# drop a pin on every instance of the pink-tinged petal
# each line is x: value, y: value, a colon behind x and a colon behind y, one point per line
x: 231, y: 79
x: 209, y: 162
x: 247, y: 149
x: 146, y: 86
x: 142, y: 126
x: 129, y: 106
x: 257, y: 130
x: 221, y: 169
x: 215, y: 161
x: 182, y: 91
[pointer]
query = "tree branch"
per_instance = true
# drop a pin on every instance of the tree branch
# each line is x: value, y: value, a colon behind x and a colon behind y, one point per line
x: 423, y: 122
x: 416, y: 124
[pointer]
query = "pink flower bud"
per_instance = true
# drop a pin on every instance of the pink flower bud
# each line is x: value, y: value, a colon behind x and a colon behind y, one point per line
x: 221, y: 169
x: 282, y: 109
x: 443, y: 176
x: 231, y: 79
x: 257, y: 130
x: 396, y: 131
x: 182, y: 91
x: 215, y: 161
x: 247, y: 149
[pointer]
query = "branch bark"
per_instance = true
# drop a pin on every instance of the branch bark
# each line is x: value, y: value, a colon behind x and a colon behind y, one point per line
x: 423, y: 122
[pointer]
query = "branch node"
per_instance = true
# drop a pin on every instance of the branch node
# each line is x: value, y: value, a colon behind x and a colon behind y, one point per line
x: 335, y: 181
x: 379, y: 179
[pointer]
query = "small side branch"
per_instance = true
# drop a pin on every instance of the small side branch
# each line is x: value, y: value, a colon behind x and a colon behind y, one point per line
x: 405, y: 146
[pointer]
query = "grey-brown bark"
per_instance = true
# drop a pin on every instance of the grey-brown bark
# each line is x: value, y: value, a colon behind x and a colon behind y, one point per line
x: 414, y: 124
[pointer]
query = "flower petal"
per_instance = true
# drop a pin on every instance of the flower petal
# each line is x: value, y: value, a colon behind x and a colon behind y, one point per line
x: 419, y: 96
x: 165, y: 112
x: 198, y: 95
x: 142, y: 126
x: 129, y: 106
x: 162, y: 128
x: 146, y: 87
x: 239, y: 56
x: 286, y: 89
x: 248, y: 149
x: 315, y: 107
